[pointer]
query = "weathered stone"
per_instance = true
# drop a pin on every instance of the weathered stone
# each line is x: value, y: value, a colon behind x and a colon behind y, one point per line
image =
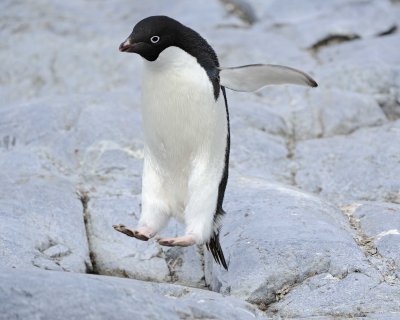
x: 281, y: 243
x: 334, y: 112
x: 274, y: 237
x: 41, y: 223
x: 308, y: 22
x: 318, y: 113
x: 59, y: 295
x: 325, y: 295
x: 377, y: 73
x: 380, y: 222
x: 257, y: 153
x: 119, y: 255
x: 361, y: 166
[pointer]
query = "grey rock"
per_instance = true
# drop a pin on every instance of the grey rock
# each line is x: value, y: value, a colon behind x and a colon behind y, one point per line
x: 258, y: 139
x: 258, y: 153
x: 275, y: 237
x: 381, y: 223
x: 320, y: 112
x: 42, y: 224
x: 334, y: 112
x: 60, y: 295
x: 242, y: 9
x: 58, y: 250
x: 308, y: 22
x: 377, y: 218
x: 288, y: 251
x: 377, y: 73
x: 360, y: 166
x: 45, y: 70
x: 325, y: 295
x: 119, y: 255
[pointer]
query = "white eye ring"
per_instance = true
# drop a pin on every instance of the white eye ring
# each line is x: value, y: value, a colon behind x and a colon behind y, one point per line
x: 154, y: 39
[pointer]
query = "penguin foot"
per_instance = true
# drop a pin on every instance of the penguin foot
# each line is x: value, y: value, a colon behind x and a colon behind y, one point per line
x: 143, y: 235
x: 184, y: 241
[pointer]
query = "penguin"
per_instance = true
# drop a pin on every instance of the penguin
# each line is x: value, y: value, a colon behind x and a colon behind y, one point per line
x: 186, y: 129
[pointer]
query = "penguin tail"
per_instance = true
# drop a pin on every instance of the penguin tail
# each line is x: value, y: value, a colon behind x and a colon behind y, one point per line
x: 214, y: 247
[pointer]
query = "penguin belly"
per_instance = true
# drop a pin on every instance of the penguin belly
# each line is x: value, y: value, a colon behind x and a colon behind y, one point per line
x: 185, y: 131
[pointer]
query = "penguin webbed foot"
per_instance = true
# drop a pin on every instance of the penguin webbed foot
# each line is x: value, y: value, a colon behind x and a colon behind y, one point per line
x: 138, y: 234
x: 184, y: 241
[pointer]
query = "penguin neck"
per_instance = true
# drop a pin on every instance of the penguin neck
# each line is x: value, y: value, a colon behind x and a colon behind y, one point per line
x: 191, y: 44
x: 171, y: 58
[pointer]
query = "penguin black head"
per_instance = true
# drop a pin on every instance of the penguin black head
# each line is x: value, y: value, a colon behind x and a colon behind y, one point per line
x: 151, y: 36
x: 154, y: 34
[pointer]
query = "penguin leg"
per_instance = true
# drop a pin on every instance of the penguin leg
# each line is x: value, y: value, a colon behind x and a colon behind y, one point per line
x: 184, y: 241
x: 154, y: 214
x: 202, y: 201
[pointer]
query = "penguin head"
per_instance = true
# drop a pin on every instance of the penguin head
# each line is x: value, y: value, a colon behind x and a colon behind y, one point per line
x: 151, y: 36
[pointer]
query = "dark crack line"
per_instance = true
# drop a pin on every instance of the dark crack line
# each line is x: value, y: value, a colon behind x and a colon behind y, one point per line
x: 269, y: 307
x: 333, y: 39
x: 386, y: 267
x: 291, y: 153
x: 241, y: 9
x: 84, y: 197
x: 201, y: 251
x: 286, y: 288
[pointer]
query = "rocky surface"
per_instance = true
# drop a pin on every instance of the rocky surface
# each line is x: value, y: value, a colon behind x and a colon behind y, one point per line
x: 313, y: 216
x: 57, y: 295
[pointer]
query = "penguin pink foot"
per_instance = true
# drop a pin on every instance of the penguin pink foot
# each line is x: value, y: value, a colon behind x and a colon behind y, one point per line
x: 143, y: 234
x: 184, y: 241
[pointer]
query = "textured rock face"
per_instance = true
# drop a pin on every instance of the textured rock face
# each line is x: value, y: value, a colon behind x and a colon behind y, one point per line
x: 326, y: 166
x: 56, y: 295
x: 279, y: 238
x: 313, y: 218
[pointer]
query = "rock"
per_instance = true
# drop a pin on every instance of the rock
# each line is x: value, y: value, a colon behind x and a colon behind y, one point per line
x: 242, y: 9
x: 308, y: 23
x: 324, y: 295
x: 71, y: 152
x: 275, y: 237
x: 119, y: 255
x: 315, y: 113
x: 347, y: 67
x: 360, y: 166
x: 92, y: 62
x: 257, y: 153
x: 41, y: 223
x: 42, y: 216
x: 326, y: 113
x: 380, y: 222
x: 256, y: 47
x: 49, y: 147
x: 57, y: 250
x: 60, y: 295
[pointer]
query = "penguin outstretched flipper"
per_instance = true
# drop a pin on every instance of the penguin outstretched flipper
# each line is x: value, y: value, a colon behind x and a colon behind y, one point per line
x: 214, y: 247
x: 256, y: 76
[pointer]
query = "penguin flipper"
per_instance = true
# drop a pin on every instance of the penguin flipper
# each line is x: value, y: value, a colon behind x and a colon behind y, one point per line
x: 214, y: 247
x: 256, y: 76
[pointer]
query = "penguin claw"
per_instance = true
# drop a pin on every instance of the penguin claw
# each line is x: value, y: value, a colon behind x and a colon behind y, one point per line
x: 131, y: 233
x: 184, y: 241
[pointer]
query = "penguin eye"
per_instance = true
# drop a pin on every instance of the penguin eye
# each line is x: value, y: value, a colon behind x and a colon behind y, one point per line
x: 154, y: 39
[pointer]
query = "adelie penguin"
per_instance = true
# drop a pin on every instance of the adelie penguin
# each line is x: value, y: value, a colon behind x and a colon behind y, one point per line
x: 186, y: 129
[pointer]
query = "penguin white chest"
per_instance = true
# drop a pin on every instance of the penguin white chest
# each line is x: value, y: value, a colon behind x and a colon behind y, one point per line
x: 181, y: 117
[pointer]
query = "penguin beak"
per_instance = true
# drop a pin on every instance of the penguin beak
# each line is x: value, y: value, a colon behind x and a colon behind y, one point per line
x: 127, y: 46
